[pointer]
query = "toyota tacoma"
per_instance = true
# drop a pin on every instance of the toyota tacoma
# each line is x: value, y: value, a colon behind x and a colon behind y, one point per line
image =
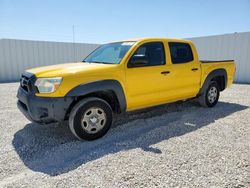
x: 120, y: 77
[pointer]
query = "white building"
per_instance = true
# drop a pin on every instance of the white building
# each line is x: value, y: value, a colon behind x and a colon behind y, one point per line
x: 18, y: 55
x: 234, y: 46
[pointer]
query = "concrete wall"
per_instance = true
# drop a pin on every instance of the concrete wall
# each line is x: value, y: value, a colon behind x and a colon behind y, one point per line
x: 18, y: 55
x: 229, y: 46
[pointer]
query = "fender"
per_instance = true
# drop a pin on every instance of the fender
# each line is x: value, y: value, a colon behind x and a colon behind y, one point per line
x: 98, y: 86
x: 210, y: 76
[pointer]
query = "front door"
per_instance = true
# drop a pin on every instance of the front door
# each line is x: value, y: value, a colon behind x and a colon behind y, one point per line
x: 147, y: 83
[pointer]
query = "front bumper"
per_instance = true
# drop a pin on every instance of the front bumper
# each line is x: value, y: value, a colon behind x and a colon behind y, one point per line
x: 42, y: 109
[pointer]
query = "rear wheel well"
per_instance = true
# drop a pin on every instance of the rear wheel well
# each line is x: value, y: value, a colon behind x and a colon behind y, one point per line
x: 109, y: 96
x: 220, y: 80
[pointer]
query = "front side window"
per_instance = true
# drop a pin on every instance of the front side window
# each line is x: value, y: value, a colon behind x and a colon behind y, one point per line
x: 109, y: 53
x: 152, y: 52
x: 180, y: 52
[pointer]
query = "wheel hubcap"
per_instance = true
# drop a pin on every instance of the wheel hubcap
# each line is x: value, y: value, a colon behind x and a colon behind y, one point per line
x: 212, y: 94
x: 93, y: 120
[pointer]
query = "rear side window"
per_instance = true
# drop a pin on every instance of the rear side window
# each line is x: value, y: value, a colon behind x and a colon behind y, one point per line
x: 180, y: 52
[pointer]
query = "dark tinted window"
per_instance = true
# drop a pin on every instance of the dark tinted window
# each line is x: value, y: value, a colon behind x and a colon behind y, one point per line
x: 154, y: 52
x: 180, y: 52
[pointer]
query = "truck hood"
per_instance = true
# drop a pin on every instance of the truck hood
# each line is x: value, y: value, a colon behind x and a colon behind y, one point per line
x: 63, y: 70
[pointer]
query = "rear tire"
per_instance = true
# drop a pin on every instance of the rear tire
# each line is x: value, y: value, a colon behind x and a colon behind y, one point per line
x: 211, y: 96
x: 90, y: 118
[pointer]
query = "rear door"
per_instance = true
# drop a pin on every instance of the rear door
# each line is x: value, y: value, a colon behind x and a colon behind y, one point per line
x: 185, y: 70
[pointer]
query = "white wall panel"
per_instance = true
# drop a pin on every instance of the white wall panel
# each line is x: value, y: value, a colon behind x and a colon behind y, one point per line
x: 18, y: 55
x: 229, y: 46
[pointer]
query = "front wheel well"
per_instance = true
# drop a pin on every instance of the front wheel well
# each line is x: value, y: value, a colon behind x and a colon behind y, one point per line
x: 109, y: 96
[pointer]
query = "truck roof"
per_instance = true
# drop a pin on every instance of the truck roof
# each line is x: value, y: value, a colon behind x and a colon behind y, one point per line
x: 153, y: 38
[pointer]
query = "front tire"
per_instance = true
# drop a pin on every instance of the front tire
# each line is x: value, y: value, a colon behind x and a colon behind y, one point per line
x: 90, y: 118
x: 211, y: 96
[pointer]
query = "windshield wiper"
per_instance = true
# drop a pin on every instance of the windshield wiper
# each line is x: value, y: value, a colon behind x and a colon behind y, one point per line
x: 86, y: 61
x: 103, y: 62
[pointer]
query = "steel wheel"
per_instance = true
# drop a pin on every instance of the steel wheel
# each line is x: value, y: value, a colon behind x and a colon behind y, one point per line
x: 212, y: 94
x: 90, y: 118
x: 93, y: 120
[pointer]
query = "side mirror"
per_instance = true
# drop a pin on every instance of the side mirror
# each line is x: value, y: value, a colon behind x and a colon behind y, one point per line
x: 138, y: 60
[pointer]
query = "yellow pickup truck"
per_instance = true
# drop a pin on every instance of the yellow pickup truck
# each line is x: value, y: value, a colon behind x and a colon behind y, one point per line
x: 118, y: 77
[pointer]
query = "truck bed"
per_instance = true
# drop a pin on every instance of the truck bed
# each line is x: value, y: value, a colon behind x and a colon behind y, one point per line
x: 209, y: 66
x: 217, y: 61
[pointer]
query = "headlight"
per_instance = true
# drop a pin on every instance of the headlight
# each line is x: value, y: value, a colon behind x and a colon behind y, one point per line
x: 48, y: 85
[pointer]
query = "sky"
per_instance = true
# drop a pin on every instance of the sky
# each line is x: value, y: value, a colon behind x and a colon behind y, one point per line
x: 101, y: 21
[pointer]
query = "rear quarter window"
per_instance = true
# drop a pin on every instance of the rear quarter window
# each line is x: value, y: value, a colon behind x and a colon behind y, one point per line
x: 180, y: 52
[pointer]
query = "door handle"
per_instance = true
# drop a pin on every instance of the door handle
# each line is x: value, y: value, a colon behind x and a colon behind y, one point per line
x: 165, y: 72
x: 194, y: 69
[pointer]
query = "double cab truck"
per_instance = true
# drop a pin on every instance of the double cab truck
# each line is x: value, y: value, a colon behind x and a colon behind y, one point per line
x: 120, y: 77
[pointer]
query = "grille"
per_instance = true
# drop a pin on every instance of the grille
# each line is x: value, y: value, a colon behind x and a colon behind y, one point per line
x: 25, y: 83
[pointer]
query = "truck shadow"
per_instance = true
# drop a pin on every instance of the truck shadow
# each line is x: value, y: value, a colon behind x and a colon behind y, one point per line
x: 53, y: 150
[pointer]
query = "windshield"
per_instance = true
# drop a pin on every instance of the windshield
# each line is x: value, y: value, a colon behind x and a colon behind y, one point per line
x: 109, y: 53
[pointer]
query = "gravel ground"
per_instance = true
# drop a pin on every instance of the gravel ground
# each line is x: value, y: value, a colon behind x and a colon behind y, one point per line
x: 176, y: 145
